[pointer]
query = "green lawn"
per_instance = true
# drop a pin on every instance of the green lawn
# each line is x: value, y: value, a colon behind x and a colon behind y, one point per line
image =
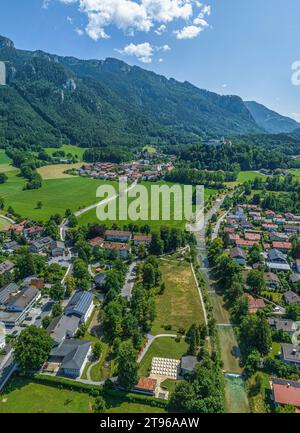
x: 244, y: 176
x: 164, y: 347
x: 4, y: 159
x: 24, y: 396
x: 91, y: 216
x: 3, y: 223
x: 179, y: 306
x: 67, y: 148
x: 57, y: 195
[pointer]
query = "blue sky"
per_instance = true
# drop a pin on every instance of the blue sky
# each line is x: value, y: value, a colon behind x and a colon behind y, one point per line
x: 243, y: 47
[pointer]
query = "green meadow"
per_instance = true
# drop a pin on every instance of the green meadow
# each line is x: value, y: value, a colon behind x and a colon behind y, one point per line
x: 67, y: 148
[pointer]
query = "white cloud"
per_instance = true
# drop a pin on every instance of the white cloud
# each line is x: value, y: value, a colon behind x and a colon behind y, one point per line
x: 143, y: 52
x: 188, y: 32
x: 45, y: 4
x: 224, y: 85
x: 79, y: 31
x: 70, y: 20
x: 141, y: 15
x: 160, y: 60
x: 161, y: 29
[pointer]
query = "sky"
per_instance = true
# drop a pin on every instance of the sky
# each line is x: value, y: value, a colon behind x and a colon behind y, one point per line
x: 249, y: 48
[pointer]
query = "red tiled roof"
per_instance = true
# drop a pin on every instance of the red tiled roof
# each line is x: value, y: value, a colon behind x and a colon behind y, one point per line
x: 255, y: 303
x: 282, y: 245
x: 286, y: 393
x: 142, y: 238
x: 116, y: 247
x: 252, y: 236
x: 147, y: 384
x: 96, y: 242
x: 243, y: 243
x: 117, y: 233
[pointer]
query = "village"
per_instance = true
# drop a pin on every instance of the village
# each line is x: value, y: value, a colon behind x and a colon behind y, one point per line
x: 264, y: 244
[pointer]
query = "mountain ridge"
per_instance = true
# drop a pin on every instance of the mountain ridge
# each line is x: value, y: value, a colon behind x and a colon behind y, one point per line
x: 108, y: 102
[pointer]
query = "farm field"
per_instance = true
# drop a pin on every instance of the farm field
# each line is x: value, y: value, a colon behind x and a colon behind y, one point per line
x: 56, y: 171
x: 3, y: 223
x: 179, y: 306
x: 67, y: 148
x: 245, y: 176
x: 56, y: 195
x: 164, y: 347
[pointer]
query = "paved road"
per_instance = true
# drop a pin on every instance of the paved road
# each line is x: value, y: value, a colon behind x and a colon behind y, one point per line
x: 129, y: 282
x: 103, y: 202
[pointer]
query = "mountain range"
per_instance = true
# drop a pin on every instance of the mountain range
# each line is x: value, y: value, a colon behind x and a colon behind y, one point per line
x: 94, y: 103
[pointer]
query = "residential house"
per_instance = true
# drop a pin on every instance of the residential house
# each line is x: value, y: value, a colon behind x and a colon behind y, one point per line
x: 6, y: 266
x: 277, y: 261
x: 272, y: 280
x: 142, y: 239
x: 188, y: 364
x: 96, y: 242
x: 2, y: 338
x: 7, y: 291
x: 57, y: 248
x: 42, y: 245
x: 284, y: 325
x: 99, y: 280
x: 290, y: 354
x: 238, y: 255
x: 63, y: 327
x: 80, y: 305
x: 255, y: 304
x: 246, y: 244
x: 270, y: 227
x: 286, y: 392
x: 249, y: 236
x: 117, y: 236
x: 18, y: 306
x: 146, y: 385
x: 11, y: 247
x: 72, y: 356
x: 284, y: 247
x: 291, y: 297
x: 121, y: 250
x: 233, y: 238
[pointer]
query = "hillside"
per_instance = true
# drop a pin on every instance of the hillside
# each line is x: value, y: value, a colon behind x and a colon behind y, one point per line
x: 269, y: 120
x: 94, y: 103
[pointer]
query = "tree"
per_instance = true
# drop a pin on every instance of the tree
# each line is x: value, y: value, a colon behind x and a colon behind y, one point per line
x: 73, y: 222
x: 255, y: 281
x: 70, y: 285
x: 157, y: 245
x: 32, y: 348
x: 39, y: 205
x: 252, y: 362
x: 255, y: 333
x: 99, y: 405
x: 127, y: 365
x: 97, y: 349
x: 287, y: 408
x: 293, y: 311
x: 148, y: 276
x: 56, y: 292
x: 57, y: 310
x: 46, y: 321
x: 25, y: 266
x: 183, y: 398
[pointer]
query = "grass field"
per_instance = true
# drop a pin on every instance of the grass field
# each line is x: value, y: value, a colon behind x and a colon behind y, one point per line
x: 164, y: 347
x: 4, y: 159
x: 57, y: 195
x: 56, y: 171
x: 244, y: 176
x: 179, y: 306
x: 3, y: 223
x: 26, y: 396
x: 67, y: 148
x: 91, y: 216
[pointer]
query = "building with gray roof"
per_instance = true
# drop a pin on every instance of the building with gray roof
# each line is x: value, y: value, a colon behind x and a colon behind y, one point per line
x: 188, y: 364
x: 7, y: 291
x: 63, y: 327
x: 81, y: 305
x: 290, y: 354
x: 72, y: 355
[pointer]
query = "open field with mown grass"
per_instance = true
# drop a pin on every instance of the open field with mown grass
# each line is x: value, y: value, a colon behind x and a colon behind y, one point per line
x: 4, y: 223
x: 90, y: 217
x: 24, y: 395
x: 75, y: 151
x: 164, y: 347
x: 5, y: 162
x: 57, y: 171
x: 245, y: 176
x: 56, y: 195
x: 179, y: 306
